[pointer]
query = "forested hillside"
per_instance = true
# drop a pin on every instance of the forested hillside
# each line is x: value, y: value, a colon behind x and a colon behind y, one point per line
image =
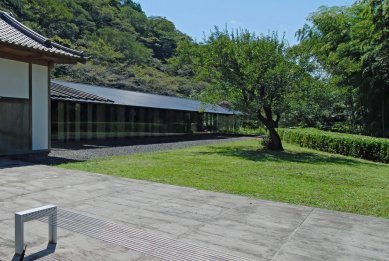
x: 127, y: 49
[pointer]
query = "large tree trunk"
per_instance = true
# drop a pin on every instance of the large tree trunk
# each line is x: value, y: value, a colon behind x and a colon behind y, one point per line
x: 275, y: 140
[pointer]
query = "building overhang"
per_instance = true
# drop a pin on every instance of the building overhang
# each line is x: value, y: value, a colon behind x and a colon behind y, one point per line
x: 18, y: 42
x: 29, y: 55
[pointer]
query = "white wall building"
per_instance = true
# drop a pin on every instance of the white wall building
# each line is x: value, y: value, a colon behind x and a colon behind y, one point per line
x: 25, y: 61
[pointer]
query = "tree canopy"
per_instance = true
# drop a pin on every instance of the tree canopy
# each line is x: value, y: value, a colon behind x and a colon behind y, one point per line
x: 352, y: 45
x: 254, y: 74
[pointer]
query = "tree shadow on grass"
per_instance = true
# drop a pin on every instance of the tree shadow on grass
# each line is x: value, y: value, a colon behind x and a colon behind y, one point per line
x: 284, y: 156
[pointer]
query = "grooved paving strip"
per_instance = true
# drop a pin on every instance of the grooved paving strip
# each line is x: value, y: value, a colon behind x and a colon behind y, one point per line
x: 139, y: 240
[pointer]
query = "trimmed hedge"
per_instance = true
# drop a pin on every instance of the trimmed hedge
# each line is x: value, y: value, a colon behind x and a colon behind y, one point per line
x: 251, y: 131
x: 375, y: 149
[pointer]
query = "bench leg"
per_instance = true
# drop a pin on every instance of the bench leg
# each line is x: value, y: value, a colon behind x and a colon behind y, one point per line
x: 19, y: 234
x: 53, y: 227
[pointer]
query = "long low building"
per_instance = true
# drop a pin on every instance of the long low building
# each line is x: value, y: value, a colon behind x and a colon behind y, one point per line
x: 29, y: 121
x: 80, y: 111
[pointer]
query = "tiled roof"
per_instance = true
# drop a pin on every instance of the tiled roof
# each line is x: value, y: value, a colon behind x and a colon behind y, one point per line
x: 60, y: 92
x: 130, y: 98
x: 14, y: 33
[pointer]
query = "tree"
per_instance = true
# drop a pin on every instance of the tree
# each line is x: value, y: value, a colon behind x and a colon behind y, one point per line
x: 352, y: 45
x: 253, y: 73
x: 162, y: 37
x: 375, y: 68
x: 315, y: 101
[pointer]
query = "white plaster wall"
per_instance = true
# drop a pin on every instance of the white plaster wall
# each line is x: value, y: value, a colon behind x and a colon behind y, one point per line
x: 13, y: 79
x: 40, y: 107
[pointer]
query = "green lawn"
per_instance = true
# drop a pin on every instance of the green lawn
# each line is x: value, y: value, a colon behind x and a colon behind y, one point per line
x: 298, y: 175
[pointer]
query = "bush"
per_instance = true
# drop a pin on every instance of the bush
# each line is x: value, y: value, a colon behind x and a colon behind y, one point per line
x: 266, y: 142
x: 375, y: 149
x: 251, y: 131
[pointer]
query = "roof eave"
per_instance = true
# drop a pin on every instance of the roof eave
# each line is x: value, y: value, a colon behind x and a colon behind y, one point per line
x: 27, y: 54
x: 72, y: 56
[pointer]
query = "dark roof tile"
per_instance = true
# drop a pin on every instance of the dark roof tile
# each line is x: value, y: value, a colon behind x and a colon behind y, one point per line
x: 60, y: 92
x: 15, y: 33
x: 130, y: 98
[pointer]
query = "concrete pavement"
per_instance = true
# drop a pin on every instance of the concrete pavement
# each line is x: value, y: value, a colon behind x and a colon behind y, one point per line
x: 208, y: 222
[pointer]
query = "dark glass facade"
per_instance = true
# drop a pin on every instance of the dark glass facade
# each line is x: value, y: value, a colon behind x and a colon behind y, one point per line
x: 15, y: 129
x: 85, y: 121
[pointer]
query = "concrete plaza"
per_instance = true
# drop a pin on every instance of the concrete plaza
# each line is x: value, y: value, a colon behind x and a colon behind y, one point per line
x: 140, y: 220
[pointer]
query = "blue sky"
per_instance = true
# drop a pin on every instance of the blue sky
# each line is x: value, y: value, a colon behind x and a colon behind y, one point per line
x: 196, y: 17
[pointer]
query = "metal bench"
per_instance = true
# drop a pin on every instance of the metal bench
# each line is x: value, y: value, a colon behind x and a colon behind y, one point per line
x: 49, y: 211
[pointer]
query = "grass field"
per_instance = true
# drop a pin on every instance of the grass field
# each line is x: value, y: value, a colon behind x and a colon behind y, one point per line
x: 298, y: 176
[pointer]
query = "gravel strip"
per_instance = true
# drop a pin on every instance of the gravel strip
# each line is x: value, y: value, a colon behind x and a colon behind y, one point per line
x: 82, y: 151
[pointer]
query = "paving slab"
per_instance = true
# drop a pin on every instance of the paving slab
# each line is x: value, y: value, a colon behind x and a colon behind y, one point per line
x: 240, y: 227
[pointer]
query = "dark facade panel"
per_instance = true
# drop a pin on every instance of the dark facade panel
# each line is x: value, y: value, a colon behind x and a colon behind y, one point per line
x: 15, y: 134
x: 85, y: 121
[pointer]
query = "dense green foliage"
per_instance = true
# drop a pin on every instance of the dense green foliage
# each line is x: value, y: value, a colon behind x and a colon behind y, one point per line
x: 352, y: 45
x: 315, y: 101
x: 251, y: 72
x: 250, y: 131
x: 297, y: 175
x: 127, y: 49
x: 260, y: 76
x: 376, y: 149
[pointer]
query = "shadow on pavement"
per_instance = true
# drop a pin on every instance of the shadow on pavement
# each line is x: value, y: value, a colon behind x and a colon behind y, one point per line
x: 50, y: 249
x: 62, y: 151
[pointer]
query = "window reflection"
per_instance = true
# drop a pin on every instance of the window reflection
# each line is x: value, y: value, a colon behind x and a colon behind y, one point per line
x: 80, y: 121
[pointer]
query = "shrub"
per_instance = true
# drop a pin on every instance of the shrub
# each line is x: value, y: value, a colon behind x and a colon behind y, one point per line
x: 375, y: 149
x: 266, y: 142
x: 251, y: 131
